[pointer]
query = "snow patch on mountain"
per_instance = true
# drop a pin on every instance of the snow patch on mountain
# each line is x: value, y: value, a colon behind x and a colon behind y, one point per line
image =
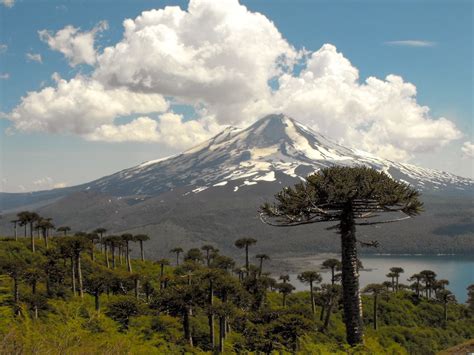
x: 274, y: 146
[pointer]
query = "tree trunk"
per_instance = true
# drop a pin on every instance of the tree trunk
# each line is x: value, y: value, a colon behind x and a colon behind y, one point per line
x: 16, y: 292
x: 14, y: 231
x: 92, y: 252
x: 261, y: 267
x: 321, y: 315
x: 142, y: 252
x: 445, y: 312
x: 137, y: 287
x: 328, y: 313
x: 73, y: 276
x: 107, y: 262
x: 312, y: 297
x: 32, y: 237
x: 284, y: 300
x: 113, y: 255
x: 177, y: 259
x: 247, y: 259
x: 350, y: 279
x: 79, y: 275
x: 211, y: 314
x: 97, y: 301
x: 127, y: 255
x: 187, y: 326
x: 375, y: 311
x: 120, y: 254
x: 332, y: 276
x: 24, y: 230
x: 221, y: 334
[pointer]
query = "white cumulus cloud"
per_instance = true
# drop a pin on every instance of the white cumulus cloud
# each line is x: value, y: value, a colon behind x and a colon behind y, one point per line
x: 3, y: 48
x: 216, y: 53
x: 170, y: 129
x: 4, y: 76
x: 219, y: 57
x: 77, y: 47
x: 80, y: 106
x: 468, y: 150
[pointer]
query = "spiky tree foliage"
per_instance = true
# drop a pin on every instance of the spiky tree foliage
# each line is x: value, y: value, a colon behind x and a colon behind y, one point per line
x: 428, y: 277
x: 392, y: 276
x: 416, y: 278
x: 285, y: 289
x: 470, y: 297
x: 194, y: 254
x: 141, y: 238
x: 284, y: 278
x: 13, y: 264
x: 100, y: 232
x: 333, y: 265
x: 445, y: 297
x: 261, y: 258
x: 44, y: 225
x: 349, y: 196
x: 310, y: 278
x: 209, y: 250
x: 245, y: 243
x: 397, y: 271
x: 96, y: 283
x: 127, y: 238
x: 177, y: 251
x: 64, y: 230
x: 92, y: 238
x: 222, y: 262
x: 375, y: 290
x: 29, y: 218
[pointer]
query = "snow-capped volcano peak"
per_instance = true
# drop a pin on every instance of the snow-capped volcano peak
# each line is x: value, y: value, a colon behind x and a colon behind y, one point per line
x: 274, y: 148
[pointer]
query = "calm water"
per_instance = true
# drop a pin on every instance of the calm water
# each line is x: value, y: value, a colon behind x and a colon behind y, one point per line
x: 458, y: 269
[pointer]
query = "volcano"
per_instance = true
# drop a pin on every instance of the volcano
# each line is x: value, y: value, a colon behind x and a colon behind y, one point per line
x: 211, y: 193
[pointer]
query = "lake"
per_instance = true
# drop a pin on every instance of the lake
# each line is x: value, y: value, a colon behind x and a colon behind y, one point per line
x: 458, y: 269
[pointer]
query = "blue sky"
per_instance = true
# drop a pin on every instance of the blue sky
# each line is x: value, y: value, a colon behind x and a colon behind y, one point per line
x: 440, y: 65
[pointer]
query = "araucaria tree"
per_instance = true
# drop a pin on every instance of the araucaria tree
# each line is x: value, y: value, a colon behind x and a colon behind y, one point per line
x: 349, y: 196
x: 310, y: 277
x: 244, y: 243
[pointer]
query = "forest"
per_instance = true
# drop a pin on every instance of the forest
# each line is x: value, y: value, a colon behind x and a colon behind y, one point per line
x: 65, y: 292
x: 83, y: 293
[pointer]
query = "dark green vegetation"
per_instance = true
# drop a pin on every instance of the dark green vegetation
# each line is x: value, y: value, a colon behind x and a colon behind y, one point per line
x: 70, y: 298
x: 85, y: 294
x: 352, y: 197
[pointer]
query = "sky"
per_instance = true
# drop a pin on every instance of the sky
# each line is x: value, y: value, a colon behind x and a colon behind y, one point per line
x: 88, y: 88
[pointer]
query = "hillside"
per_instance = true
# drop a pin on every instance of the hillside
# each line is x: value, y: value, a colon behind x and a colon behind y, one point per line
x: 212, y: 192
x: 51, y: 317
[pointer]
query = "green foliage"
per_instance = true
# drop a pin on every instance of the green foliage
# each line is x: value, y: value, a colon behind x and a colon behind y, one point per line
x: 154, y: 323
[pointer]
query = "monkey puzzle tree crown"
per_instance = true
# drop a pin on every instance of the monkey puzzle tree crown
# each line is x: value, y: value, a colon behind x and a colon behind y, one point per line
x: 330, y: 192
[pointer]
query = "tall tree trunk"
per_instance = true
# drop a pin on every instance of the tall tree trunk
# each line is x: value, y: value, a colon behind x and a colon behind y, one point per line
x: 113, y: 255
x: 73, y: 276
x: 284, y: 300
x: 187, y: 326
x: 127, y: 255
x: 79, y: 275
x: 177, y: 259
x: 350, y: 279
x: 211, y: 314
x: 328, y: 313
x: 15, y: 231
x: 260, y: 268
x: 120, y: 254
x: 375, y: 312
x: 107, y: 262
x: 24, y: 229
x: 97, y: 301
x: 333, y: 279
x: 142, y: 252
x: 137, y: 287
x: 221, y: 334
x: 247, y: 259
x: 321, y: 315
x: 32, y: 237
x: 312, y: 297
x: 92, y: 252
x: 16, y: 292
